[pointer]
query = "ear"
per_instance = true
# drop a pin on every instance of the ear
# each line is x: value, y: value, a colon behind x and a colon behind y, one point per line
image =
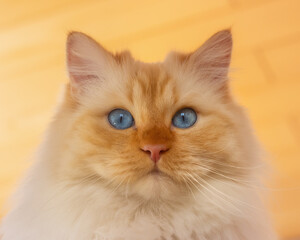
x: 86, y: 61
x: 212, y: 59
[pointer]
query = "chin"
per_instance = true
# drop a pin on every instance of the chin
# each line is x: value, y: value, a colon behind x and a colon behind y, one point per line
x: 156, y: 186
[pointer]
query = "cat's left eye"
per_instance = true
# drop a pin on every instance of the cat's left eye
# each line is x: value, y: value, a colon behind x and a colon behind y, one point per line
x: 120, y: 119
x: 184, y: 118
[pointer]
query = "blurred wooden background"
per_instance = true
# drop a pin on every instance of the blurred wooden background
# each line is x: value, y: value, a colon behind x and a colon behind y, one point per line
x: 266, y: 63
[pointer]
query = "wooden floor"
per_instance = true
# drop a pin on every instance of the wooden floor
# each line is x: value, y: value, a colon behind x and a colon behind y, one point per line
x: 266, y: 71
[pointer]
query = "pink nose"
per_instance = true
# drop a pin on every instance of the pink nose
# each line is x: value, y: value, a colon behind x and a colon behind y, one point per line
x: 155, y: 151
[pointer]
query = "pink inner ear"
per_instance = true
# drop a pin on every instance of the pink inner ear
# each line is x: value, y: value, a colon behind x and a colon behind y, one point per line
x: 80, y: 69
x: 79, y: 79
x: 215, y: 57
x: 85, y: 60
x: 212, y: 59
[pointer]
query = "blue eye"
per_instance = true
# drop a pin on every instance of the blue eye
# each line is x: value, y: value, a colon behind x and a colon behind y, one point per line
x: 184, y: 118
x: 120, y: 119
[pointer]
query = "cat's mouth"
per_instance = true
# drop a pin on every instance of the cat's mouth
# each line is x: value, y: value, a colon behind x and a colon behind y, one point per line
x: 156, y: 172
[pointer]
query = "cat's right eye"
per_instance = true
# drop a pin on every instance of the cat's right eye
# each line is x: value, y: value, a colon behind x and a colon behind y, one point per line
x: 120, y: 119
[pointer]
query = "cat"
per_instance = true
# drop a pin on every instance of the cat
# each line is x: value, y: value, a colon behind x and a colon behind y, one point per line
x: 140, y: 151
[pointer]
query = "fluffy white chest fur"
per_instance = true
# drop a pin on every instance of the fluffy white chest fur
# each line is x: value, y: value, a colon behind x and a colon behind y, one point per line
x: 49, y: 211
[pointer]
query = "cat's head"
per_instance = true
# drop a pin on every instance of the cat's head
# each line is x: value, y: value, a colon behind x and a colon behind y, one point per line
x: 152, y: 130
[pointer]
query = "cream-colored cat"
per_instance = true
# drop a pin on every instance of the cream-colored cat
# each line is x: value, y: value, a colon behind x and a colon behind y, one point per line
x: 142, y: 151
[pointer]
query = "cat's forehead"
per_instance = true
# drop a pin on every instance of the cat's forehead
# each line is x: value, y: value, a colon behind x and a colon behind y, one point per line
x: 152, y: 86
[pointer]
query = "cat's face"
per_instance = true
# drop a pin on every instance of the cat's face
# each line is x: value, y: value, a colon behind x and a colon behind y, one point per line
x: 159, y: 153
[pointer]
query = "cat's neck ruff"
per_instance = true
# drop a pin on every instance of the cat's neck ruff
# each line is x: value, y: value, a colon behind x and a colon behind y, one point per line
x: 90, y: 211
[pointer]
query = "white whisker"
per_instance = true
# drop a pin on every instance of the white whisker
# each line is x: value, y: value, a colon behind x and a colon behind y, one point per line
x: 227, y: 196
x: 211, y: 160
x: 213, y: 193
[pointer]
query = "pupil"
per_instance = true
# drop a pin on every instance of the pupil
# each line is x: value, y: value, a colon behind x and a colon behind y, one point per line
x: 182, y: 116
x: 121, y: 118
